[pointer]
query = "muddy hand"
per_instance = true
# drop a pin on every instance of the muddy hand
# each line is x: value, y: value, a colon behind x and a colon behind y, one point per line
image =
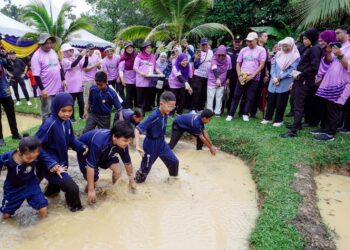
x: 91, y: 197
x: 60, y: 170
x: 132, y: 185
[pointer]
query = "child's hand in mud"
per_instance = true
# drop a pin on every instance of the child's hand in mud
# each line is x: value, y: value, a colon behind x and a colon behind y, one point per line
x: 140, y: 150
x: 91, y: 197
x: 212, y: 151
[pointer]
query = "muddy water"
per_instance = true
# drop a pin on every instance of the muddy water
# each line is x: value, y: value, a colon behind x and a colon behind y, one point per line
x: 211, y: 206
x: 24, y: 122
x: 334, y: 202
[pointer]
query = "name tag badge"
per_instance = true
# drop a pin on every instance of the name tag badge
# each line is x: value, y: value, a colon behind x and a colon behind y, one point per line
x: 103, y: 101
x: 160, y: 84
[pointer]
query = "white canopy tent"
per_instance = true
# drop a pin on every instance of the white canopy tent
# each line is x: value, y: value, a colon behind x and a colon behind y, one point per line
x: 82, y: 37
x: 11, y: 27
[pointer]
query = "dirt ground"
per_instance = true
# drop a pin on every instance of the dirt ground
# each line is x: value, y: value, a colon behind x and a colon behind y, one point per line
x: 24, y: 122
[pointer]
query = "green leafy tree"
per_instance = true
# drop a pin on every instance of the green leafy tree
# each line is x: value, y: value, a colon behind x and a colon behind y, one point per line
x: 175, y: 19
x: 12, y: 10
x: 109, y: 16
x: 318, y: 12
x: 36, y: 14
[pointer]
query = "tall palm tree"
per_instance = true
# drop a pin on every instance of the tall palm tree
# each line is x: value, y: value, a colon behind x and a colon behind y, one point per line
x: 314, y: 12
x: 38, y: 16
x: 176, y: 18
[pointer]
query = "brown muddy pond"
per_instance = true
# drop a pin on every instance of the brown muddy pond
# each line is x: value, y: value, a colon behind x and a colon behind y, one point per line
x: 213, y: 205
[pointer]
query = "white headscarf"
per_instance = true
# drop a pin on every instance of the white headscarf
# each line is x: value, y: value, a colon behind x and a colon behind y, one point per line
x: 284, y: 60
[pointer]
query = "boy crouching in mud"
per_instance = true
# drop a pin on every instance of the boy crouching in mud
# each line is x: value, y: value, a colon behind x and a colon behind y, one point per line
x: 103, y: 145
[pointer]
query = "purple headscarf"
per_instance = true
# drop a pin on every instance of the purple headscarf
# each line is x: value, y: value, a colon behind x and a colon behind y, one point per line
x: 328, y: 36
x: 185, y: 71
x: 221, y: 64
x: 147, y: 57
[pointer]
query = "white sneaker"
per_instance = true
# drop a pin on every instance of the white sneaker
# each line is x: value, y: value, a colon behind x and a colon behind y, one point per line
x: 229, y: 118
x: 245, y: 118
x: 29, y: 103
x: 193, y: 112
x: 277, y: 124
x: 18, y: 103
x: 265, y: 122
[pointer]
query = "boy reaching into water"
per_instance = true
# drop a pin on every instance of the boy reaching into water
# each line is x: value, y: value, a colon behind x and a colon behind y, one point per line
x: 134, y: 116
x: 103, y: 145
x: 21, y: 183
x: 154, y: 144
x: 193, y: 124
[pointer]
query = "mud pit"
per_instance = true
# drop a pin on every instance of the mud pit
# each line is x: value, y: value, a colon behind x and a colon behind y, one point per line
x: 213, y: 205
x: 24, y: 122
x: 333, y: 192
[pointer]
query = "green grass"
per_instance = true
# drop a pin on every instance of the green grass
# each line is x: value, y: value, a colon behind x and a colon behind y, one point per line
x: 273, y: 160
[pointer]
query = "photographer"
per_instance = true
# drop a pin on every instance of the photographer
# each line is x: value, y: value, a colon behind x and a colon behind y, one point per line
x: 5, y: 98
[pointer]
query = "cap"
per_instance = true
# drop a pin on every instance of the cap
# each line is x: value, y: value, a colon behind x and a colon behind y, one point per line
x: 238, y: 38
x: 204, y: 40
x: 146, y: 43
x: 252, y: 36
x: 44, y: 37
x: 66, y: 47
x: 108, y: 48
x: 90, y: 46
x: 129, y: 43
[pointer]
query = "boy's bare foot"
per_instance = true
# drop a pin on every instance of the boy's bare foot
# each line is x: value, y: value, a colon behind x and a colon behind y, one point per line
x: 132, y: 185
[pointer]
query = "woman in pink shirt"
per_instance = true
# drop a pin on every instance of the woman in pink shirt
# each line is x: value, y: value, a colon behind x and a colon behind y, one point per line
x: 74, y: 75
x: 128, y: 75
x: 178, y: 81
x: 145, y: 66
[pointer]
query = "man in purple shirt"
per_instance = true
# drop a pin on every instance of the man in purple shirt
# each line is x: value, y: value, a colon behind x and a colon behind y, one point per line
x: 48, y: 73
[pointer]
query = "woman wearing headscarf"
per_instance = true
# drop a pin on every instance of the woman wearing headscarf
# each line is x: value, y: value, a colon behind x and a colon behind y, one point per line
x: 145, y: 66
x: 158, y: 82
x: 218, y: 77
x: 57, y: 136
x: 128, y: 75
x: 74, y: 75
x: 178, y: 81
x: 286, y: 60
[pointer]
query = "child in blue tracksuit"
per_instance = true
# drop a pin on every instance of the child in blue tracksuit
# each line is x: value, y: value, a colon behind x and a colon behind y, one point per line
x: 134, y: 117
x: 21, y: 183
x: 154, y: 145
x: 193, y: 124
x: 57, y: 136
x: 104, y: 145
x: 101, y: 100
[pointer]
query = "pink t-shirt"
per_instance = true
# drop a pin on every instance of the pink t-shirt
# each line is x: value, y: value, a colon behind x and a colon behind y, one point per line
x: 73, y: 76
x: 110, y: 66
x: 174, y: 83
x: 47, y: 66
x: 144, y: 66
x: 222, y: 75
x: 251, y: 59
x: 90, y: 75
x: 129, y: 75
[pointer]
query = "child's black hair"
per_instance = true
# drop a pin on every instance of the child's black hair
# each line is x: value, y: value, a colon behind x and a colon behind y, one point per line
x: 167, y: 96
x: 207, y: 113
x: 139, y: 112
x: 29, y: 144
x: 123, y: 129
x: 101, y: 77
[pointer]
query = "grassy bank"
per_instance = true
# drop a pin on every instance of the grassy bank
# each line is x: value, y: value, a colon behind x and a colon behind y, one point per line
x: 272, y: 159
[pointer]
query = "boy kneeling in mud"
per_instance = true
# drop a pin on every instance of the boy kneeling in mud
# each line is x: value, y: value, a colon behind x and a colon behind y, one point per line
x: 104, y: 145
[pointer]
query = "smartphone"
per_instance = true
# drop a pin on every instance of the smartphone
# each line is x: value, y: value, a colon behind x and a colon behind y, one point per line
x: 338, y: 44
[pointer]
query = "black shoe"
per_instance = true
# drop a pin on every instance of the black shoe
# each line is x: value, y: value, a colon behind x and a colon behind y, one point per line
x: 76, y: 209
x: 344, y: 131
x: 288, y: 134
x: 17, y: 137
x: 291, y: 126
x: 319, y: 131
x: 2, y: 143
x: 290, y: 114
x: 324, y: 137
